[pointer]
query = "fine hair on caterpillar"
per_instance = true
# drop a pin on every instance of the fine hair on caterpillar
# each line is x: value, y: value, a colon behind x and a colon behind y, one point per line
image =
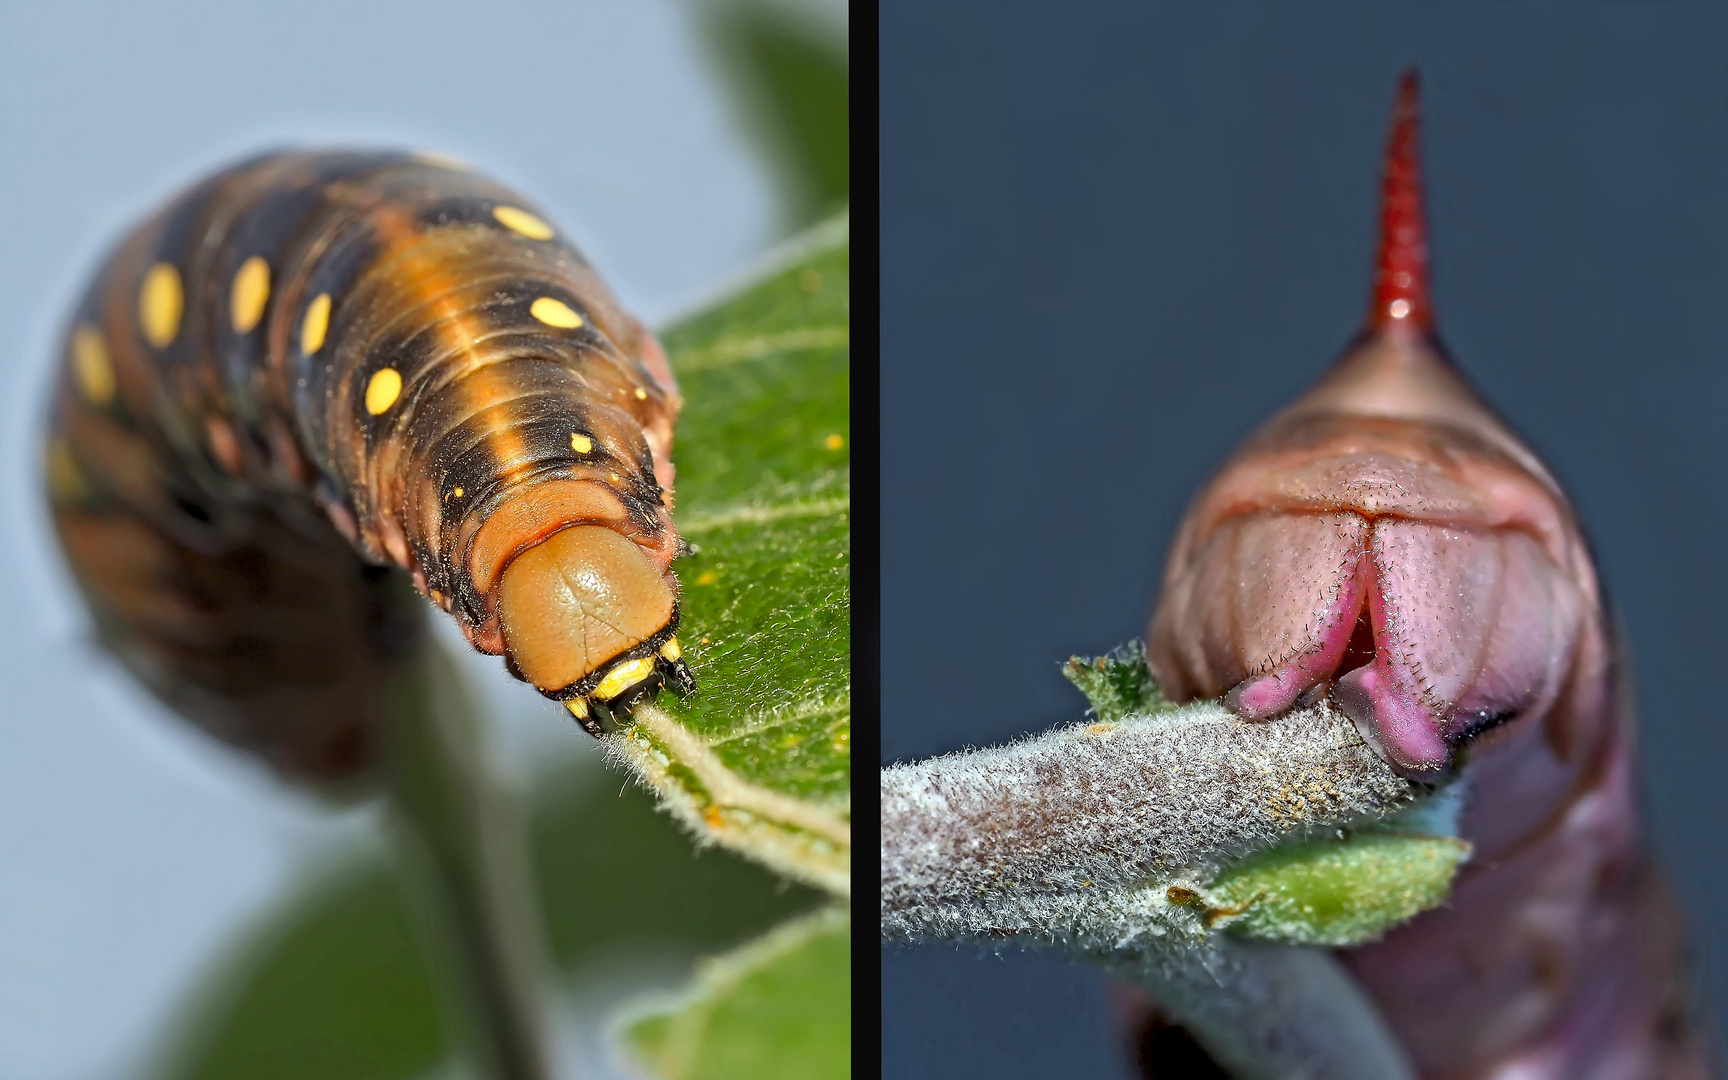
x: 313, y: 366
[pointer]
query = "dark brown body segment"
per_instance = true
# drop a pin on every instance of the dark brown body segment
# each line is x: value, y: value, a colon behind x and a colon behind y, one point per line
x: 1387, y: 540
x: 229, y: 473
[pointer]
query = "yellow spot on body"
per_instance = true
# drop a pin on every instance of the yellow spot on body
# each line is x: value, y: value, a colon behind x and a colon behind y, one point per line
x: 160, y: 302
x: 249, y: 294
x: 65, y: 479
x: 522, y: 223
x: 834, y: 442
x: 456, y: 493
x: 713, y: 817
x: 1096, y: 730
x: 91, y: 367
x: 641, y: 394
x: 316, y: 324
x: 670, y: 650
x: 708, y: 577
x: 623, y: 677
x: 383, y: 390
x: 555, y: 313
x: 581, y: 443
x: 578, y: 708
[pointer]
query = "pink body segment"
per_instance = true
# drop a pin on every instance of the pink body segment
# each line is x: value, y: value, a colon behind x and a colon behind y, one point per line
x: 1388, y: 542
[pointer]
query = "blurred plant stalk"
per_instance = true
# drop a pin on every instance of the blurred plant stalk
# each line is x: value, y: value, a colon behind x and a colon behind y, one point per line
x: 464, y: 852
x: 787, y: 64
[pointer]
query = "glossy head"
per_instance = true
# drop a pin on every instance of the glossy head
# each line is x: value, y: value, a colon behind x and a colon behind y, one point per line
x: 588, y: 616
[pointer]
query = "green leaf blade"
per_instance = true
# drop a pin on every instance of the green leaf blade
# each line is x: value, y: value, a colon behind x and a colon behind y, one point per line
x: 1117, y: 685
x: 776, y: 1009
x: 759, y: 758
x: 1336, y: 892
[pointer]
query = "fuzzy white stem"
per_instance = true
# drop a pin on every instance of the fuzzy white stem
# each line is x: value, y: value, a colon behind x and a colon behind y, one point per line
x: 1049, y: 835
x: 1074, y: 838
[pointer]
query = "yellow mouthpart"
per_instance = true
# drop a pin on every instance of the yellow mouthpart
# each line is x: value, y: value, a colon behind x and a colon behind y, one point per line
x: 623, y: 677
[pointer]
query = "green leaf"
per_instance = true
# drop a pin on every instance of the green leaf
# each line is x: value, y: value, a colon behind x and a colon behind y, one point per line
x: 776, y: 1009
x: 1334, y: 892
x: 1117, y: 685
x: 759, y: 759
x: 337, y: 985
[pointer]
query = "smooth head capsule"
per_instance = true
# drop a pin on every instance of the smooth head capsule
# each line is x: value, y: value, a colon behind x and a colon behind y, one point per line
x: 586, y: 611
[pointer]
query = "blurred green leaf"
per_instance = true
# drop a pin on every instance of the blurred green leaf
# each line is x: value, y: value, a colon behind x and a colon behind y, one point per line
x: 759, y: 759
x: 776, y: 1009
x: 789, y: 69
x: 337, y: 987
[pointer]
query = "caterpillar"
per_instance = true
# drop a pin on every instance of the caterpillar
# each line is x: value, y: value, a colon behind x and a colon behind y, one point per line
x: 314, y: 378
x: 1387, y: 541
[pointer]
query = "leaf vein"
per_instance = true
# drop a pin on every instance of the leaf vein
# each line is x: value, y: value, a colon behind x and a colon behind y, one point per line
x: 729, y: 351
x: 757, y: 514
x: 769, y: 719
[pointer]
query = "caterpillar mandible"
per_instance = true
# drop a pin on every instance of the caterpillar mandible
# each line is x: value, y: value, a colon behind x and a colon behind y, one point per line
x: 314, y: 375
x: 1388, y: 541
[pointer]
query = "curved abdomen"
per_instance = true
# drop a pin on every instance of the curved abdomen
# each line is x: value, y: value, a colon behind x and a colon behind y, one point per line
x: 311, y: 367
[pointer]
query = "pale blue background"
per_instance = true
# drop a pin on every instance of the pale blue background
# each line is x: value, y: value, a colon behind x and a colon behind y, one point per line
x: 131, y: 848
x: 1116, y: 236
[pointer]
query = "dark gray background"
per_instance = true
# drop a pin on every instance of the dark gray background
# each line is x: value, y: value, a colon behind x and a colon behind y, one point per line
x: 1114, y: 239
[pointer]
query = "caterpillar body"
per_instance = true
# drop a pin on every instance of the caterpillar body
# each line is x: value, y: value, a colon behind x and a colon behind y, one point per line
x: 314, y: 376
x: 1388, y: 542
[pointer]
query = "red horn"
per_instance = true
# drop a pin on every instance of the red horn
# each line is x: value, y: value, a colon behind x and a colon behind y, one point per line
x: 1401, y: 269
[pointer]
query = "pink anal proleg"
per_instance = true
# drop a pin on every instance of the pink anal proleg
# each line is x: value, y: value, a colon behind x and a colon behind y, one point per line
x: 1387, y: 540
x: 1275, y: 597
x: 1471, y: 626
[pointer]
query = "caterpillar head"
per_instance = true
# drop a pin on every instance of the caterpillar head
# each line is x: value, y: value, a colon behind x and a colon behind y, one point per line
x: 1387, y: 541
x: 588, y: 617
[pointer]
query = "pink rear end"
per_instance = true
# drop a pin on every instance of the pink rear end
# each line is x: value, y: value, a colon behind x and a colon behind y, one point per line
x: 1388, y: 541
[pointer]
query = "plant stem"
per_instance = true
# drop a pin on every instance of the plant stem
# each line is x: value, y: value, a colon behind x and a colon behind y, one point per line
x: 1068, y: 834
x: 467, y: 866
x: 1087, y: 838
x: 1270, y: 1012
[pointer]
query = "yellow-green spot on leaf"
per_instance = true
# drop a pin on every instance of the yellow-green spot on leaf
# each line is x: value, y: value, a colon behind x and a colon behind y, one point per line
x: 1335, y: 892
